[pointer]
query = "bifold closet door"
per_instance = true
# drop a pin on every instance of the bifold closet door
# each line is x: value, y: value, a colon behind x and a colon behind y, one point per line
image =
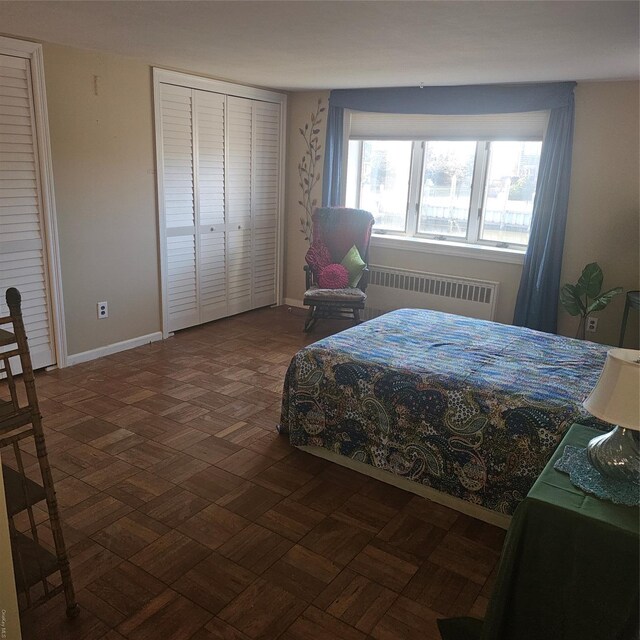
x: 239, y: 181
x: 210, y: 188
x: 182, y: 304
x: 23, y: 254
x: 266, y: 169
x: 219, y: 164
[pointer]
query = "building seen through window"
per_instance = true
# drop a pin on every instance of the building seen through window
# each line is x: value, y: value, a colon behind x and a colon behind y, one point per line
x: 465, y: 190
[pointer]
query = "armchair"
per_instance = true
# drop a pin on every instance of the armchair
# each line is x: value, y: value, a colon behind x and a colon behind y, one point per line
x: 339, y: 229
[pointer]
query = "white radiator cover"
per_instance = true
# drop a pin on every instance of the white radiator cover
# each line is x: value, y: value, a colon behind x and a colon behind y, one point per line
x: 391, y: 288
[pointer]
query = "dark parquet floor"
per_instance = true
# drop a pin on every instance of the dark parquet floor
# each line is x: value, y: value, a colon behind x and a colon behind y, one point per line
x: 187, y: 517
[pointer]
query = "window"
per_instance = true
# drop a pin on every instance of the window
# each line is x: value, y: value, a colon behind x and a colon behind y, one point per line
x: 383, y: 176
x: 473, y: 191
x: 445, y: 197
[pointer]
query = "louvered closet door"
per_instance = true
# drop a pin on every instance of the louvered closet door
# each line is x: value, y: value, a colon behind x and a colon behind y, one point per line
x: 266, y: 169
x: 182, y: 303
x: 239, y: 257
x: 212, y: 262
x: 23, y: 262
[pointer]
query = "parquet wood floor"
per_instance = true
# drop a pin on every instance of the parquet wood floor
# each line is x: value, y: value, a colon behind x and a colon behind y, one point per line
x: 187, y: 517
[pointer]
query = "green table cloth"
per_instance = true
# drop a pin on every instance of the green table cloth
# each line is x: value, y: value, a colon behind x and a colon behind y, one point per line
x: 569, y: 567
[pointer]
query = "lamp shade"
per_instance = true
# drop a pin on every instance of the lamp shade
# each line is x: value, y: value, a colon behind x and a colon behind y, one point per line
x: 616, y: 396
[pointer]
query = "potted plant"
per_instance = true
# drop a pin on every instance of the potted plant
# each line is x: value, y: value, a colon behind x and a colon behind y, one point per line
x: 584, y: 298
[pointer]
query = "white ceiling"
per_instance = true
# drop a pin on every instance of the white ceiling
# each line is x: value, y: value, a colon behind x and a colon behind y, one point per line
x: 337, y: 44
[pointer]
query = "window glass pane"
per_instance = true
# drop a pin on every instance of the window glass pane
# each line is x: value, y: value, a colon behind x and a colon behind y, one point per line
x: 446, y: 187
x: 384, y: 182
x: 509, y: 192
x: 353, y: 161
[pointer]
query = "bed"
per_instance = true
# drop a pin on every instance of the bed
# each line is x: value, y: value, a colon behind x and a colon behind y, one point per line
x: 464, y: 411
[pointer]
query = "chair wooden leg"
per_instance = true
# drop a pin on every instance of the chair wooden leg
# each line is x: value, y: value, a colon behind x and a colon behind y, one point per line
x: 356, y: 316
x: 310, y: 321
x: 54, y: 519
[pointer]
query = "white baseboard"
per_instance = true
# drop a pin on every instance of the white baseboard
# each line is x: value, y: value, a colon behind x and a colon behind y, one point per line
x: 116, y: 347
x: 292, y: 302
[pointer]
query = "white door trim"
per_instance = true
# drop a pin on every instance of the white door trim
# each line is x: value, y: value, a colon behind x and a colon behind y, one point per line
x: 281, y: 222
x: 33, y: 52
x: 162, y: 225
x: 217, y: 86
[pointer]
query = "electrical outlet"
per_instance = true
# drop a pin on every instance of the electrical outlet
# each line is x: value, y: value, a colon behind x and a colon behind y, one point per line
x: 103, y: 310
x: 592, y: 324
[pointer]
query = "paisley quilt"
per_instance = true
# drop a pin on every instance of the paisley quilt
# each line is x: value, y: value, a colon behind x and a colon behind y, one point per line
x: 468, y: 407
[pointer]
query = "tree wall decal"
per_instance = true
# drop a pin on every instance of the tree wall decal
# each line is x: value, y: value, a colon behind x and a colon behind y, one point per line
x: 307, y: 168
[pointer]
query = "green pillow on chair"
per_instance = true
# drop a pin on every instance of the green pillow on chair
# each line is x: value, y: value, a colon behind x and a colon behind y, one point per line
x: 354, y: 264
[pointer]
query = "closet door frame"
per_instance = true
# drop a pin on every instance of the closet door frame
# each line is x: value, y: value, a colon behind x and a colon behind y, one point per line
x: 33, y: 52
x: 165, y: 76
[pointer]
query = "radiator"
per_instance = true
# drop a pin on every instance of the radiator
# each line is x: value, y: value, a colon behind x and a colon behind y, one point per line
x: 391, y: 289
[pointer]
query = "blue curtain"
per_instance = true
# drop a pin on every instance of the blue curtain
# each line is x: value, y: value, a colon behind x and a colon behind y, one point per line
x: 537, y: 302
x: 333, y: 150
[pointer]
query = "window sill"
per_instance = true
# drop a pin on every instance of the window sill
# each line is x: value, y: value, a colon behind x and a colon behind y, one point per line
x: 443, y: 247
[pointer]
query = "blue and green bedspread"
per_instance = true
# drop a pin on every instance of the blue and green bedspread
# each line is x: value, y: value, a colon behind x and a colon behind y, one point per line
x: 468, y: 407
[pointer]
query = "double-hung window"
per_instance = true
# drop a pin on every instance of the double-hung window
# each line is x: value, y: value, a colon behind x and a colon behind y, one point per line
x: 453, y: 178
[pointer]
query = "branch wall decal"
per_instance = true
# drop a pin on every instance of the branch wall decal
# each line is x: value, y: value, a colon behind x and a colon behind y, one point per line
x: 309, y: 176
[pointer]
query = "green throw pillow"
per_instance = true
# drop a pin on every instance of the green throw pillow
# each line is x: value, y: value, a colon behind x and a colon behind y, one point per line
x: 354, y: 264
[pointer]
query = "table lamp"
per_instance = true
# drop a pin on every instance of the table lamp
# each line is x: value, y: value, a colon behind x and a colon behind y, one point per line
x: 616, y: 399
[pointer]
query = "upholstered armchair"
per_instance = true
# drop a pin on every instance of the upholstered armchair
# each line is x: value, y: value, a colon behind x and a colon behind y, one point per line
x: 341, y: 236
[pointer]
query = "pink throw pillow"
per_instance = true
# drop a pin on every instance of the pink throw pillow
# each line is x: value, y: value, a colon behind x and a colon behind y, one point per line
x: 333, y: 276
x: 318, y: 257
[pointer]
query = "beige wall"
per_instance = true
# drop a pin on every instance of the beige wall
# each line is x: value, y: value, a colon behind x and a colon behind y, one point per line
x: 299, y: 109
x: 604, y: 207
x: 602, y: 219
x: 103, y: 164
x: 103, y: 160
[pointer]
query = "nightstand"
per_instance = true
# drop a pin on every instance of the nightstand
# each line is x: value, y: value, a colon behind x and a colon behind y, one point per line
x: 569, y: 567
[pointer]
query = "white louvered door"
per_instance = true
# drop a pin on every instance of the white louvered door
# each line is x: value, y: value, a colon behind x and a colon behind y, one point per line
x: 182, y: 304
x: 266, y: 169
x: 239, y: 192
x: 23, y: 258
x: 212, y: 262
x: 219, y: 166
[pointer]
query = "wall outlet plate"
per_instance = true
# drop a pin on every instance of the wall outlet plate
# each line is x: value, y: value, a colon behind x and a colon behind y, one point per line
x: 103, y: 310
x: 592, y: 324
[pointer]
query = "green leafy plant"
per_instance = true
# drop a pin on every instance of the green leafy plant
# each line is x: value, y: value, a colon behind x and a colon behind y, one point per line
x: 307, y: 172
x: 584, y: 298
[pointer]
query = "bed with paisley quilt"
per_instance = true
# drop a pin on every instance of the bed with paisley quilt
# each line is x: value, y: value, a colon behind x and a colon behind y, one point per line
x: 461, y: 407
